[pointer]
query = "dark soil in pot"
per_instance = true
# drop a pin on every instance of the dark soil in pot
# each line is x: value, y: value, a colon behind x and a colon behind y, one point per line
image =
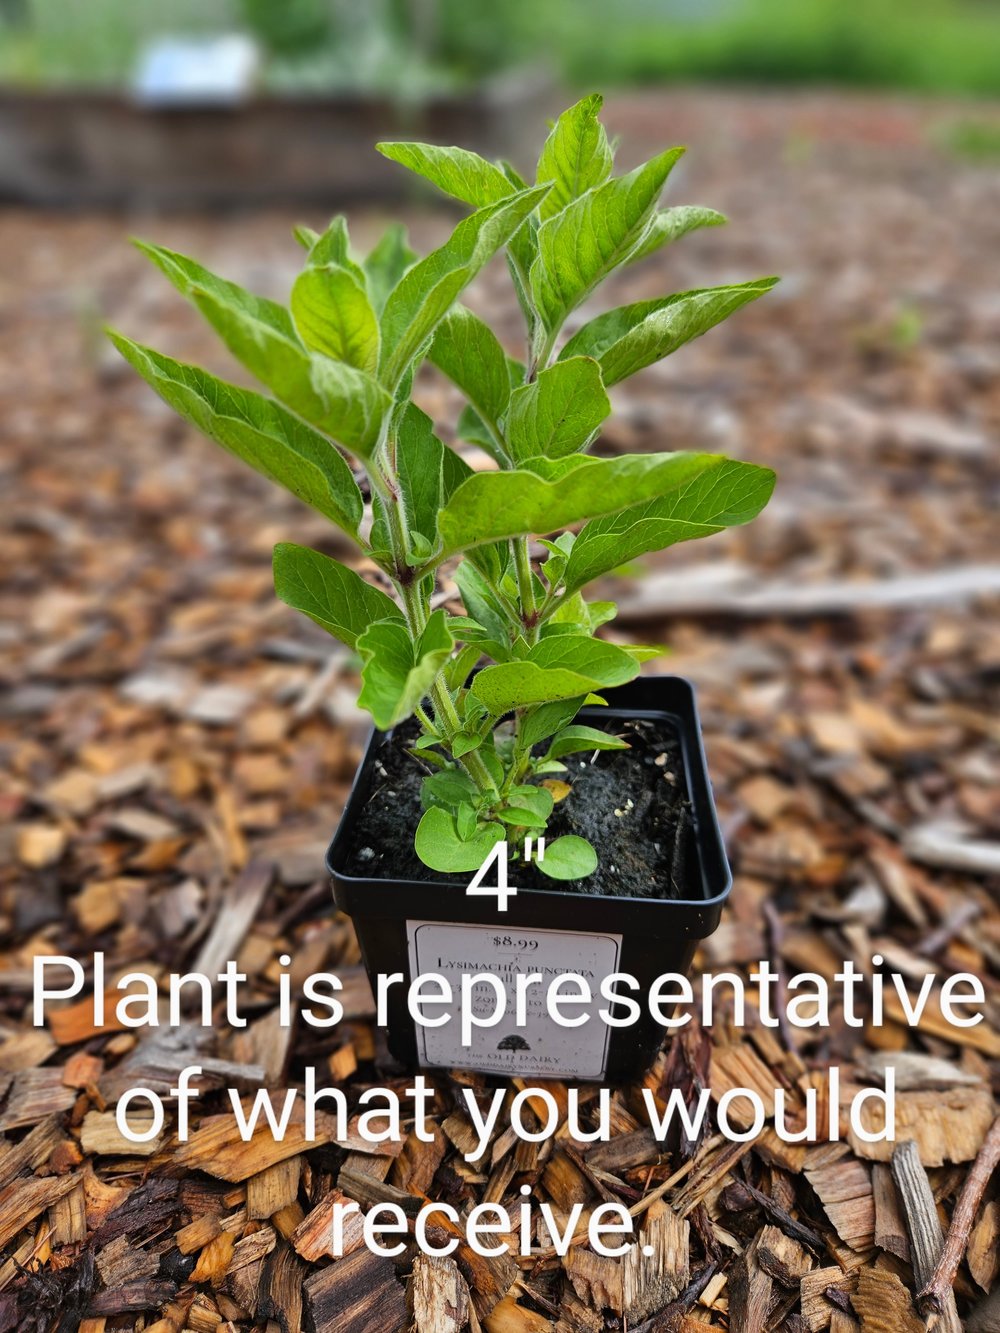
x: 632, y: 805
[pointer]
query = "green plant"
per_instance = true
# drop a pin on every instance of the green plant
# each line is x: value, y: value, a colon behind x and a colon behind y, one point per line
x: 340, y: 361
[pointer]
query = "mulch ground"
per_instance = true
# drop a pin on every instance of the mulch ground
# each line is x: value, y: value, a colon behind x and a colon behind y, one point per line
x: 175, y: 747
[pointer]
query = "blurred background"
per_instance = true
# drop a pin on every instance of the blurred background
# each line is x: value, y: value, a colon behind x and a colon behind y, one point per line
x: 164, y: 720
x: 843, y: 644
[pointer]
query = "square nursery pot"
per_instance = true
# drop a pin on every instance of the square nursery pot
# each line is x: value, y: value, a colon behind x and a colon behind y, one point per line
x: 411, y: 926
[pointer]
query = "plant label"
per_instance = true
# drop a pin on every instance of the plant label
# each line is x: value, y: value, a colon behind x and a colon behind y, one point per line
x: 508, y: 1026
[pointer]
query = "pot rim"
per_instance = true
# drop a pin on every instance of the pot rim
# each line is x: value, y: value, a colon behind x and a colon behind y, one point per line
x: 708, y: 835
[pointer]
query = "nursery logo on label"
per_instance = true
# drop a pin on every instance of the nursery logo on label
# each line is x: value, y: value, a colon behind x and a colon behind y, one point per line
x: 500, y: 960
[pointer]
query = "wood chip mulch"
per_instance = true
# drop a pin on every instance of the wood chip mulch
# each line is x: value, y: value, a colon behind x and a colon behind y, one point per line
x: 175, y: 747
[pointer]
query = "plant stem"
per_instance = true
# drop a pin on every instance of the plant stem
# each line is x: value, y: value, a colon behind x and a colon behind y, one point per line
x: 449, y: 721
x: 408, y: 585
x: 525, y: 588
x: 540, y: 358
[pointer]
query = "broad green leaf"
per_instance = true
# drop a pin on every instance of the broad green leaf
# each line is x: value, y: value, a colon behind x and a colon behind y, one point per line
x: 458, y: 669
x: 333, y: 315
x: 574, y: 740
x: 386, y: 263
x: 440, y: 847
x: 334, y: 247
x: 568, y: 858
x: 335, y: 597
x: 634, y: 336
x: 580, y: 246
x: 466, y: 822
x: 645, y: 652
x: 570, y: 610
x: 529, y: 797
x: 419, y: 462
x: 398, y: 672
x: 522, y: 816
x: 600, y: 613
x: 188, y: 275
x: 430, y: 288
x: 341, y: 400
x: 455, y: 470
x: 557, y: 413
x: 468, y: 352
x: 559, y: 551
x: 576, y: 156
x: 449, y: 788
x: 306, y: 236
x: 464, y: 742
x: 670, y: 224
x: 723, y: 494
x: 511, y: 685
x: 474, y: 430
x: 257, y: 430
x: 604, y: 664
x: 481, y: 602
x: 457, y: 171
x: 491, y: 506
x: 540, y: 723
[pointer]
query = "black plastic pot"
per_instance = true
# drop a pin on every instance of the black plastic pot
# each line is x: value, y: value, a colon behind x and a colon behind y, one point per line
x: 410, y: 927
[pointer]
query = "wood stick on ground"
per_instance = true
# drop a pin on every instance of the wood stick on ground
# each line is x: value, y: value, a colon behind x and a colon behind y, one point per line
x: 926, y: 1241
x: 934, y: 1293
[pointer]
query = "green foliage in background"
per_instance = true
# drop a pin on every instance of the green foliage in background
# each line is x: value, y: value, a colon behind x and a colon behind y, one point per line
x: 341, y: 431
x: 414, y: 46
x: 925, y: 45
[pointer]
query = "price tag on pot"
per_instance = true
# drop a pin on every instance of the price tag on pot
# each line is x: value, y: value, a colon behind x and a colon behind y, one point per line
x: 539, y: 1046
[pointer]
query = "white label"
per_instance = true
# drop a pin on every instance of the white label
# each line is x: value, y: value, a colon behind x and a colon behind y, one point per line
x: 539, y: 1046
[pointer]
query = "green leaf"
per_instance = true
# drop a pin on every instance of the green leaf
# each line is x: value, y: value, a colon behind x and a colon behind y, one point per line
x: 481, y: 601
x: 491, y: 506
x: 573, y: 740
x: 306, y: 236
x: 539, y: 799
x: 603, y: 664
x: 419, y: 461
x: 634, y: 336
x: 474, y: 429
x: 334, y: 247
x: 188, y: 275
x: 338, y: 599
x: 511, y: 685
x: 580, y: 246
x: 449, y: 788
x: 724, y: 494
x: 466, y: 821
x: 517, y: 817
x: 568, y: 858
x: 468, y: 352
x: 576, y: 156
x: 540, y: 723
x: 440, y: 847
x: 457, y: 171
x: 464, y: 743
x: 397, y: 672
x: 455, y: 470
x: 333, y: 315
x: 257, y: 430
x: 341, y: 400
x: 670, y: 224
x: 457, y: 673
x: 428, y: 290
x: 557, y: 413
x: 386, y: 263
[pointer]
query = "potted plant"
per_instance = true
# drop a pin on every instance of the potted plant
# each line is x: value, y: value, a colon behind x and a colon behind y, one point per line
x: 509, y: 735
